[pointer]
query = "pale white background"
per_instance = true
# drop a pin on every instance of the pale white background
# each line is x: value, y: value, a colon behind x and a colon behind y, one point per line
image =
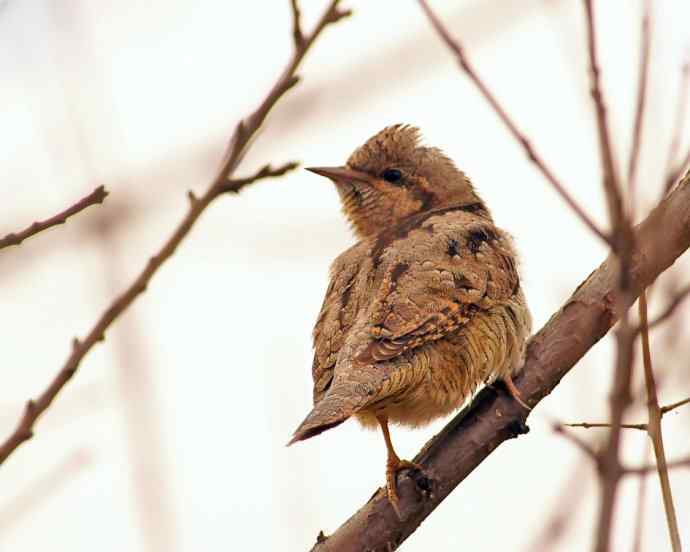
x: 171, y: 437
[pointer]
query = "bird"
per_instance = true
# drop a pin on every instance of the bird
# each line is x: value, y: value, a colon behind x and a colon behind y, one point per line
x: 425, y: 308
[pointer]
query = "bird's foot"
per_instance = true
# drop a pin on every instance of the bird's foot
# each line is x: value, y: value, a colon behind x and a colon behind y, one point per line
x: 393, y: 466
x: 514, y: 392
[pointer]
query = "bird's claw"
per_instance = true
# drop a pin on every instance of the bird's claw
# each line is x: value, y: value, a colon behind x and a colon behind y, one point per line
x: 392, y: 469
x: 515, y: 393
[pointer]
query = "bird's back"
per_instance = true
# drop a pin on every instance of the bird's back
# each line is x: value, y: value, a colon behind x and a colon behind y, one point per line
x: 394, y: 294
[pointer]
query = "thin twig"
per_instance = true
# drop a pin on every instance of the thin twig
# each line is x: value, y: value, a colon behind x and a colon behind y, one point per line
x: 654, y: 428
x: 95, y: 197
x: 612, y: 188
x: 623, y: 244
x: 297, y: 35
x: 643, y: 427
x: 579, y: 443
x: 532, y: 154
x: 673, y: 406
x: 242, y: 136
x: 588, y: 425
x: 639, y: 112
x: 639, y: 513
x: 235, y: 185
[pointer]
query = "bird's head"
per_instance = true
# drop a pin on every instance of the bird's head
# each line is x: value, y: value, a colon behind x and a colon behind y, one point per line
x: 391, y: 177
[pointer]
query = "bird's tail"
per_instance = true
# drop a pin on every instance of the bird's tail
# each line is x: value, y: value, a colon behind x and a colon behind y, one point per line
x: 341, y: 402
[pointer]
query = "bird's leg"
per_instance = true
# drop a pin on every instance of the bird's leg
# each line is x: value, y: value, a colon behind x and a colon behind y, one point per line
x: 393, y: 465
x: 514, y: 391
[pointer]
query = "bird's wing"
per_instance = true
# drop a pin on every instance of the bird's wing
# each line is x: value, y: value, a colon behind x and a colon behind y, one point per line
x: 337, y: 315
x: 437, y: 279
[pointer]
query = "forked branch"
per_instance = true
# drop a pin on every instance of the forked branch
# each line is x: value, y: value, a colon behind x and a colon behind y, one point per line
x: 223, y: 183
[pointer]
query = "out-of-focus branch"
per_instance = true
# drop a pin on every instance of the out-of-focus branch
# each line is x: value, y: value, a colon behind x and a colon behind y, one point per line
x: 239, y: 142
x: 15, y: 238
x: 612, y: 188
x: 673, y: 171
x: 676, y: 301
x: 598, y: 458
x: 640, y: 109
x: 585, y: 447
x: 681, y: 463
x: 493, y: 416
x: 623, y: 244
x: 532, y: 154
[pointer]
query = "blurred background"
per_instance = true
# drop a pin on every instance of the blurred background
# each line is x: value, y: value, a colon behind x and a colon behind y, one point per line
x: 172, y: 435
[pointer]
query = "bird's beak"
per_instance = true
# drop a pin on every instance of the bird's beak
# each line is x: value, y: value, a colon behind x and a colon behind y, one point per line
x: 341, y: 174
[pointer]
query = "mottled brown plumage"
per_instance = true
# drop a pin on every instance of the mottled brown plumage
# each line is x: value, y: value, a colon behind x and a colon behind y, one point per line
x: 425, y: 307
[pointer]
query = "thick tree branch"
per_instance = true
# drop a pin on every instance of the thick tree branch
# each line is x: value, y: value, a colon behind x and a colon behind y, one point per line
x: 95, y: 197
x: 242, y: 136
x: 493, y: 416
x: 531, y: 152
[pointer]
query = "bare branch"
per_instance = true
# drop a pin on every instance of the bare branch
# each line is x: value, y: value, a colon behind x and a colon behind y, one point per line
x: 639, y: 112
x: 673, y: 406
x: 654, y: 428
x: 588, y: 425
x: 612, y: 187
x: 623, y: 244
x: 242, y: 136
x: 532, y: 154
x: 297, y: 35
x: 639, y: 509
x: 234, y: 186
x: 494, y: 416
x: 674, y: 172
x: 95, y: 197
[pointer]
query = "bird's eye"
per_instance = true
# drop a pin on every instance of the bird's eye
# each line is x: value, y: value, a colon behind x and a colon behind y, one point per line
x: 392, y: 175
